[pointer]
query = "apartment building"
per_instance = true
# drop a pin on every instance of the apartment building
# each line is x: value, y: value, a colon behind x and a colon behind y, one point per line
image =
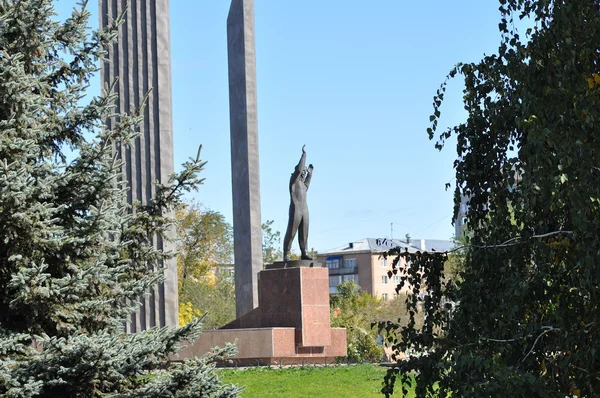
x: 363, y: 261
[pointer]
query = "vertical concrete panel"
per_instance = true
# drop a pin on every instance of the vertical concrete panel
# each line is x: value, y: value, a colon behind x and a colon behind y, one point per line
x: 142, y: 61
x: 243, y: 118
x: 165, y: 128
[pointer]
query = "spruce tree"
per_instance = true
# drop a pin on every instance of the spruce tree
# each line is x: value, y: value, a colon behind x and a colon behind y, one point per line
x: 74, y: 257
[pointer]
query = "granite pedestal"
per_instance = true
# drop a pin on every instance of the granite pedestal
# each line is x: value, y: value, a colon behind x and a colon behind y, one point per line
x: 290, y: 325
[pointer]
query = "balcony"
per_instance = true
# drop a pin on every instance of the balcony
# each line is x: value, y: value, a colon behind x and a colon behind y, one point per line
x: 343, y: 271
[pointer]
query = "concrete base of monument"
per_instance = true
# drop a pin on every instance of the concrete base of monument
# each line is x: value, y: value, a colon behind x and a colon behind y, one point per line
x: 267, y: 346
x: 290, y: 325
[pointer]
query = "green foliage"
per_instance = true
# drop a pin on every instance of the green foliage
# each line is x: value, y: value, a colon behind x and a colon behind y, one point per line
x: 356, y: 311
x: 271, y: 240
x: 204, y: 240
x: 74, y: 258
x: 204, y: 245
x: 414, y: 336
x: 526, y: 319
x: 398, y: 310
x: 309, y: 381
x: 455, y: 264
x: 213, y: 296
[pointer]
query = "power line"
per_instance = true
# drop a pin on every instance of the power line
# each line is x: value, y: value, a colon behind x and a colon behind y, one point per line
x: 429, y: 226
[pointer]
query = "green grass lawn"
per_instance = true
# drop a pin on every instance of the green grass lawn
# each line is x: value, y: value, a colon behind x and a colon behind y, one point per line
x: 308, y: 381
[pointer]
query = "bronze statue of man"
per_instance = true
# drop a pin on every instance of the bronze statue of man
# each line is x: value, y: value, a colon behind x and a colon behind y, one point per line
x: 298, y: 218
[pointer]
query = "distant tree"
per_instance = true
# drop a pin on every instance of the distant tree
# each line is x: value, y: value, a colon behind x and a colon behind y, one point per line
x: 294, y: 256
x: 522, y: 318
x: 213, y: 297
x: 356, y: 310
x: 74, y: 257
x: 397, y: 309
x: 204, y: 240
x: 271, y: 243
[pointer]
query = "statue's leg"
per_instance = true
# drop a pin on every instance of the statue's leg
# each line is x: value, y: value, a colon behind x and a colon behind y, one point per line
x: 303, y: 237
x: 293, y: 223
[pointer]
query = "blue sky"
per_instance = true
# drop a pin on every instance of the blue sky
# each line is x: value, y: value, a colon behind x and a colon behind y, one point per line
x: 354, y: 82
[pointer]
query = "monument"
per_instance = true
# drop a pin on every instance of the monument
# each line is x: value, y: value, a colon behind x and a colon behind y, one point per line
x: 245, y: 178
x: 298, y: 215
x: 293, y: 300
x: 141, y: 59
x: 292, y: 321
x: 283, y: 311
x: 297, y: 218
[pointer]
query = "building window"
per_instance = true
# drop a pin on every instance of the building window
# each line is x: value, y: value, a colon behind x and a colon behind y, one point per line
x: 350, y: 263
x: 384, y: 279
x: 397, y: 279
x: 333, y: 263
x: 335, y: 280
x: 352, y: 277
x: 384, y: 263
x: 384, y: 296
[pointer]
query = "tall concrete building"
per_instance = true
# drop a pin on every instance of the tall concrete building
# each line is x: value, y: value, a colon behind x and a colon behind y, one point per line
x: 142, y: 61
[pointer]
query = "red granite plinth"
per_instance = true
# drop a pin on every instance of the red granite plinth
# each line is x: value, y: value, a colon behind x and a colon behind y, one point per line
x: 290, y: 325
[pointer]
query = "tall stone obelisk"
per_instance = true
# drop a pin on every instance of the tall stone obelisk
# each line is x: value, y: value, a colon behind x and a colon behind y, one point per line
x: 142, y: 60
x: 243, y: 119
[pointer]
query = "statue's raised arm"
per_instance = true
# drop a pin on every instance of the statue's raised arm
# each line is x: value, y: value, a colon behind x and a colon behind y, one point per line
x: 301, y: 163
